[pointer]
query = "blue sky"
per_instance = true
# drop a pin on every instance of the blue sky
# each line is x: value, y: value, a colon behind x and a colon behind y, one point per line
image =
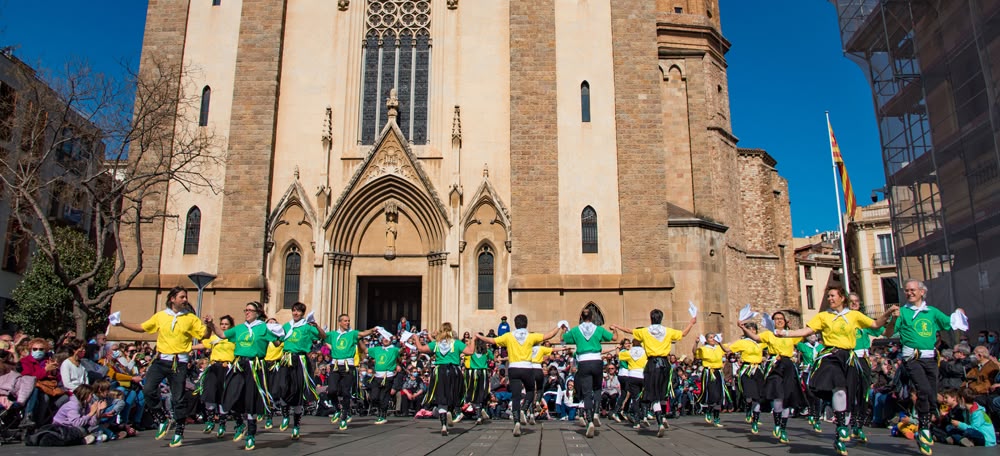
x: 785, y: 69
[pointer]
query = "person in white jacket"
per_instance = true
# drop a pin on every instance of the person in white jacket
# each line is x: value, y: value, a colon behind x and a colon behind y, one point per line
x: 567, y: 404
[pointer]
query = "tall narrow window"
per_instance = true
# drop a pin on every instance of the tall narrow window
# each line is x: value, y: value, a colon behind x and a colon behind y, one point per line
x: 216, y: 2
x: 485, y: 278
x: 192, y: 231
x: 293, y: 270
x: 585, y: 101
x: 206, y: 99
x: 589, y: 221
x: 396, y: 54
x: 810, y: 301
x: 597, y: 316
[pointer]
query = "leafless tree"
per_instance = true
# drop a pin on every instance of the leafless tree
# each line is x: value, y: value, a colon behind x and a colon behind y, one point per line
x: 102, y: 151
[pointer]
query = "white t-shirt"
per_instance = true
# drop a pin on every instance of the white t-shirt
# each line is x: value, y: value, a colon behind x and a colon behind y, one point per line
x: 72, y: 375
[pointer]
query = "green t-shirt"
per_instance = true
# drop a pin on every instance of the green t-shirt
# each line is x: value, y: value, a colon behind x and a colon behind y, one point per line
x: 585, y: 346
x: 342, y: 345
x: 864, y: 337
x: 920, y: 332
x: 302, y: 338
x: 445, y: 353
x: 480, y: 360
x: 250, y: 342
x: 809, y: 353
x: 385, y: 357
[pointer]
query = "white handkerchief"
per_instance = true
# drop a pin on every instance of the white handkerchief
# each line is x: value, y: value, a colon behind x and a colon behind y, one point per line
x: 115, y: 319
x: 702, y: 339
x: 385, y: 334
x: 767, y: 322
x: 692, y: 309
x: 405, y: 337
x: 959, y: 320
x: 311, y: 317
x: 718, y: 337
x: 746, y: 313
x: 562, y: 324
x: 276, y: 329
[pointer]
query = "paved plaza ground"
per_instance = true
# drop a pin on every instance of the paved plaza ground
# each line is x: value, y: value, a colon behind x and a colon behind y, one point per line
x: 406, y: 437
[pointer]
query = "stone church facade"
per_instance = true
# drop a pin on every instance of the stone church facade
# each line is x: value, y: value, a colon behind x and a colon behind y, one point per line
x: 457, y: 160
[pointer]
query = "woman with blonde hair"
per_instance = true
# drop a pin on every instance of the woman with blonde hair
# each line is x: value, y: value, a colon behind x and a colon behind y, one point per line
x: 445, y: 387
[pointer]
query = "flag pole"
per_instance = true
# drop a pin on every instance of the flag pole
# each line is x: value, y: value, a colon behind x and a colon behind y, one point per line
x: 840, y: 214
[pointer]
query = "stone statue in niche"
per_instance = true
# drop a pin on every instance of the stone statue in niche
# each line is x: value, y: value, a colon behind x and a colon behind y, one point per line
x: 391, y: 227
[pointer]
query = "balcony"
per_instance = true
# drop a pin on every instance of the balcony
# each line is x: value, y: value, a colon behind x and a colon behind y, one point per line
x: 884, y: 260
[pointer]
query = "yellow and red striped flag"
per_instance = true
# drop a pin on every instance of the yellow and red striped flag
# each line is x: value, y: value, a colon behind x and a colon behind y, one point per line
x: 849, y: 199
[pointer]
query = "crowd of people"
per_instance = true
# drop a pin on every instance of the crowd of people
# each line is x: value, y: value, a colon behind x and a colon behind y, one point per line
x: 841, y: 368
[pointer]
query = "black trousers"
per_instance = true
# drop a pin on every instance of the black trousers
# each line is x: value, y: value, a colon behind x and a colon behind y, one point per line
x: 924, y: 375
x: 381, y: 393
x: 655, y: 380
x: 341, y: 385
x: 589, y: 375
x: 521, y: 377
x: 159, y: 370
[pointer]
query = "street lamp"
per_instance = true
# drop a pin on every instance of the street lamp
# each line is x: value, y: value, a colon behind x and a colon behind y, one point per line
x: 201, y: 280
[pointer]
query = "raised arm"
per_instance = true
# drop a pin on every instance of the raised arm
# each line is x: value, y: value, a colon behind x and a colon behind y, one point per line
x: 469, y: 349
x: 801, y: 332
x: 421, y: 347
x: 884, y: 318
x: 134, y: 327
x: 488, y: 340
x: 322, y: 334
x: 553, y: 333
x: 366, y: 333
x: 746, y: 332
x: 690, y: 325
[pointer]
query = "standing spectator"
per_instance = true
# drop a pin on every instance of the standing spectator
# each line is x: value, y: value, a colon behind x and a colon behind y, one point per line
x: 504, y: 327
x: 403, y: 325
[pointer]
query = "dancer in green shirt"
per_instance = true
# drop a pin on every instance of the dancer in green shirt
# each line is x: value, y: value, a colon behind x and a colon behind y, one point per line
x: 446, y: 378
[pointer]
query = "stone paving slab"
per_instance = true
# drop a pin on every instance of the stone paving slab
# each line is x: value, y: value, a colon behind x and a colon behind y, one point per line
x: 688, y: 436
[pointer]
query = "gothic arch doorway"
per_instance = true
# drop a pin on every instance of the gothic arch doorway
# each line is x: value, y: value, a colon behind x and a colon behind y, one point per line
x: 598, y: 316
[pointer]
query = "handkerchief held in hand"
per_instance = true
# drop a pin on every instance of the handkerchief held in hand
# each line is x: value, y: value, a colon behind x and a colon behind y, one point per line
x: 563, y: 324
x: 746, y: 313
x: 405, y: 337
x: 767, y: 322
x: 311, y: 317
x: 276, y: 329
x: 382, y: 332
x: 959, y: 320
x: 115, y: 319
x: 692, y: 309
x: 702, y: 339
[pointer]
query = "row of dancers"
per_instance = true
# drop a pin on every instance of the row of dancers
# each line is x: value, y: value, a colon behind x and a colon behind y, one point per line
x: 239, y: 382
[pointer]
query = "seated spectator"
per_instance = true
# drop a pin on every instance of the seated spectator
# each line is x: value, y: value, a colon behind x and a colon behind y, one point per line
x: 568, y: 404
x: 15, y: 389
x: 983, y: 372
x: 975, y: 429
x: 611, y: 391
x: 42, y: 366
x: 412, y: 394
x: 71, y: 372
x: 951, y: 372
x: 82, y: 412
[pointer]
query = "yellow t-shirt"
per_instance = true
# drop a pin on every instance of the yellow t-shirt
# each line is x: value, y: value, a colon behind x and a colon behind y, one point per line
x: 538, y: 356
x: 633, y: 363
x: 839, y: 331
x: 711, y: 357
x: 174, y: 340
x: 656, y: 347
x: 517, y: 353
x: 222, y: 349
x: 781, y: 346
x: 274, y: 352
x: 750, y: 351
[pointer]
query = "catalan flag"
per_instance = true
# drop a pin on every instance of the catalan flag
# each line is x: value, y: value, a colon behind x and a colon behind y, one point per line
x: 849, y: 199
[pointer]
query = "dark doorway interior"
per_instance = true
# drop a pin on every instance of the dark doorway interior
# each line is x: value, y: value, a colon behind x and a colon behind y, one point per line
x: 383, y: 300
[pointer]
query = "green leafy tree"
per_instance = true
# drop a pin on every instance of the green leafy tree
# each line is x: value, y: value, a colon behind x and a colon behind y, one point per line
x: 45, y: 306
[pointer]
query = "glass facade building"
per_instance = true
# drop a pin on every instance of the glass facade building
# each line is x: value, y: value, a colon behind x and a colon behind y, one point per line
x: 934, y: 68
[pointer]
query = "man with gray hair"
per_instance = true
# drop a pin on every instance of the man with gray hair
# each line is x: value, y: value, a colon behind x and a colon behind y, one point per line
x: 917, y: 325
x: 952, y: 371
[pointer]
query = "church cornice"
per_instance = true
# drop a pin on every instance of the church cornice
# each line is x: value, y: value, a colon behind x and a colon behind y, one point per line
x: 693, y: 222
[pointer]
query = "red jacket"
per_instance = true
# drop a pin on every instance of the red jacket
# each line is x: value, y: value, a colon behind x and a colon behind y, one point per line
x: 36, y: 368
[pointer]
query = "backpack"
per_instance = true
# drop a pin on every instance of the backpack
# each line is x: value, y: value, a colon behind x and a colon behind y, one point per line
x: 56, y: 435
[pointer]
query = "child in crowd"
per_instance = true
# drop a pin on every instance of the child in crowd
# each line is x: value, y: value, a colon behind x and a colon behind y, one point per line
x: 969, y: 425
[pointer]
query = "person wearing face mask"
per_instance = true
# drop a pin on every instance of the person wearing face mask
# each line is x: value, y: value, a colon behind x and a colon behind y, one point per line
x: 993, y: 344
x: 72, y: 372
x: 39, y: 364
x: 127, y: 384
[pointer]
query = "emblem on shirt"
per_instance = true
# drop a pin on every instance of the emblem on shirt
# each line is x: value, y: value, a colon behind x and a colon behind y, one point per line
x: 923, y: 327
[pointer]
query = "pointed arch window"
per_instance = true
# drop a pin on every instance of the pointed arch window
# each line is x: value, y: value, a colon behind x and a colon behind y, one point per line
x: 206, y: 99
x: 588, y: 220
x: 192, y: 231
x: 485, y: 272
x: 585, y: 101
x: 293, y: 272
x: 595, y: 313
x: 396, y: 53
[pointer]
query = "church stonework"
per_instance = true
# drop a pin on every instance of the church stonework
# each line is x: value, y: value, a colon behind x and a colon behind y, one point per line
x: 463, y: 161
